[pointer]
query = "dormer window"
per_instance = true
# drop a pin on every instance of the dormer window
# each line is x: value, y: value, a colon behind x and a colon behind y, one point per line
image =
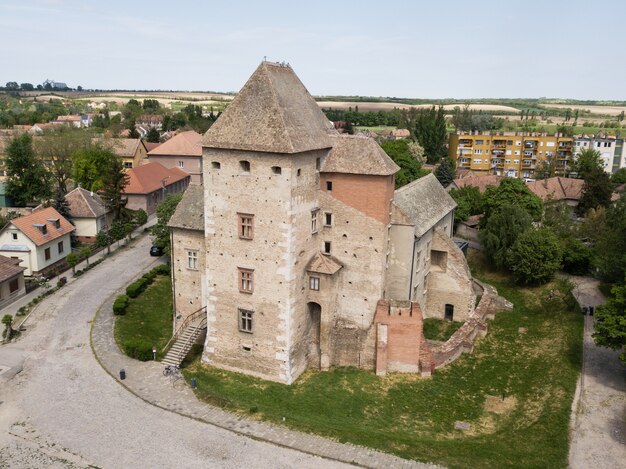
x: 245, y: 166
x: 43, y: 229
x: 55, y: 222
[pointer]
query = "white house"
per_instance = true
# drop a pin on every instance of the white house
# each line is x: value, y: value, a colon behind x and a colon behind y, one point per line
x: 88, y: 213
x: 40, y: 240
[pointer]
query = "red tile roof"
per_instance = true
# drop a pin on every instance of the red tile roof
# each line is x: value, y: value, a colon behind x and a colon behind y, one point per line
x: 477, y: 181
x: 26, y: 225
x: 149, y: 177
x: 557, y: 188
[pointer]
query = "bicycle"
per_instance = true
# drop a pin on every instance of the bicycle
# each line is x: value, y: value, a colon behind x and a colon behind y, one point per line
x: 171, y: 370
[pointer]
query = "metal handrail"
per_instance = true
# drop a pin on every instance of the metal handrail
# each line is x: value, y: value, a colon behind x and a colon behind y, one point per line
x: 192, y: 337
x: 192, y: 317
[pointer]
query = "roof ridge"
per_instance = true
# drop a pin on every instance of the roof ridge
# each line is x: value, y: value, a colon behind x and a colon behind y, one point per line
x: 280, y: 113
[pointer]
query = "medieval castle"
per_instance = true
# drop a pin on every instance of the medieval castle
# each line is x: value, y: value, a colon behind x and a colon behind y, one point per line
x: 300, y: 252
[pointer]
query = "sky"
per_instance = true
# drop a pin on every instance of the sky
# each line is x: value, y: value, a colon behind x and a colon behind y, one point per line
x: 411, y: 49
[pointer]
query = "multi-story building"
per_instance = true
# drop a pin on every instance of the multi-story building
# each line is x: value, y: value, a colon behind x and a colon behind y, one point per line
x: 299, y: 251
x: 611, y: 150
x: 510, y: 154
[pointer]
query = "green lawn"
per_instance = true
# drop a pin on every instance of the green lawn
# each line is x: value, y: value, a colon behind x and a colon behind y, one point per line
x: 148, y: 318
x: 440, y: 329
x: 515, y: 390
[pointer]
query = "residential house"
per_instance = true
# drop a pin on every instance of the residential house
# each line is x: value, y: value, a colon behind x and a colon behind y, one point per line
x: 89, y: 214
x: 150, y: 120
x: 482, y: 182
x: 150, y: 183
x: 132, y: 151
x: 40, y: 240
x: 611, y: 149
x: 568, y: 190
x: 182, y: 151
x: 299, y: 249
x: 11, y: 280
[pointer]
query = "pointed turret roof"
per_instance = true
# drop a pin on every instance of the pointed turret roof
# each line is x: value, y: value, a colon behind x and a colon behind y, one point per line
x: 274, y: 113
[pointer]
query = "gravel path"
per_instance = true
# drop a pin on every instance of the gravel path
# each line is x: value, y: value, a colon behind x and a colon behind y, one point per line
x: 64, y: 410
x: 599, y: 419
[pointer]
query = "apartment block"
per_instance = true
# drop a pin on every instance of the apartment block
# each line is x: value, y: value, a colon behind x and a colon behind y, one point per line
x: 611, y: 150
x: 511, y: 154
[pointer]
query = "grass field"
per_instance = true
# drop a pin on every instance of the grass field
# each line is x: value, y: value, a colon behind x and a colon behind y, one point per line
x: 439, y: 329
x: 148, y: 318
x: 515, y: 390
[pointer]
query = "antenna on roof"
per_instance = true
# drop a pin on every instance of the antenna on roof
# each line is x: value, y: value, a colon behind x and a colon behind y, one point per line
x: 265, y: 58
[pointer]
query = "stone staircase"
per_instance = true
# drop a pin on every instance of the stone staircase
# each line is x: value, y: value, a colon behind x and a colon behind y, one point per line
x: 187, y: 334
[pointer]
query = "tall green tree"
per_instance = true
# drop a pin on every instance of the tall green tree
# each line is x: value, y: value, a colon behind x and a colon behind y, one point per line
x: 587, y: 161
x: 597, y: 191
x: 535, y: 256
x: 610, y: 246
x: 114, y: 180
x: 27, y: 179
x: 512, y: 191
x: 619, y: 176
x: 153, y: 135
x: 160, y: 232
x: 445, y: 171
x: 401, y: 153
x: 501, y: 231
x: 610, y: 323
x: 90, y: 165
x: 469, y: 200
x: 431, y: 133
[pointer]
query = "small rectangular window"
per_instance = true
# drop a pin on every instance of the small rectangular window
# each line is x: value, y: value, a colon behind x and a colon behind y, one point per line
x: 245, y: 166
x: 46, y: 254
x: 277, y: 170
x: 328, y: 219
x: 314, y: 283
x: 60, y: 247
x: 13, y: 285
x: 128, y: 164
x: 246, y: 280
x: 326, y: 247
x: 329, y: 185
x: 245, y: 320
x: 181, y: 164
x: 318, y: 163
x: 246, y: 226
x: 14, y: 236
x: 192, y: 260
x: 216, y: 165
x: 314, y: 220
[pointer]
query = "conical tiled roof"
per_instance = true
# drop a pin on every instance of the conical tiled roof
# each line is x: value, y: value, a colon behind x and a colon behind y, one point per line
x: 274, y: 113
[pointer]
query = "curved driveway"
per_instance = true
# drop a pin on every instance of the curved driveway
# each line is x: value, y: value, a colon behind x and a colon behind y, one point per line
x: 64, y: 410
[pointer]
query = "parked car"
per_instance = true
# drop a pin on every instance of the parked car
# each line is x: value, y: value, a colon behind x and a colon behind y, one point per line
x: 156, y: 251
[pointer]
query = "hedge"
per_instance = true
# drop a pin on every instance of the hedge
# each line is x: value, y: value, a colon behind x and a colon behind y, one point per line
x: 139, y: 349
x: 120, y: 304
x: 134, y: 289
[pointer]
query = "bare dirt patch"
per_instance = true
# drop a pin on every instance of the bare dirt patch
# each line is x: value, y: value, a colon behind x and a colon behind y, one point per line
x: 376, y: 106
x: 498, y: 405
x: 609, y: 110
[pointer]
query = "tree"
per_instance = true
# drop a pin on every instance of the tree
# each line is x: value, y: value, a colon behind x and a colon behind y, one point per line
x: 153, y: 135
x: 576, y: 256
x: 535, y: 256
x: 160, y: 232
x: 26, y: 87
x: 114, y: 180
x: 151, y: 105
x: 103, y: 240
x: 610, y: 323
x: 619, y: 176
x: 501, y: 231
x: 7, y: 320
x: 79, y: 88
x: 117, y: 231
x: 512, y: 191
x: 90, y: 164
x: 469, y: 200
x: 140, y: 217
x: 400, y: 152
x: 610, y: 247
x: 597, y: 191
x: 445, y: 171
x: 72, y: 260
x: 431, y: 133
x: 27, y: 180
x: 558, y: 216
x: 12, y: 85
x: 85, y: 252
x: 56, y: 149
x: 586, y: 162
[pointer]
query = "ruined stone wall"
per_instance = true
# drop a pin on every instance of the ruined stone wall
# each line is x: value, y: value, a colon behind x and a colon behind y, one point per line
x: 449, y: 280
x: 281, y: 205
x: 187, y: 283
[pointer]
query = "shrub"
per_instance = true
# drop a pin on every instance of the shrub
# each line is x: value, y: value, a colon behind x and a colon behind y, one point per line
x: 137, y: 348
x: 149, y: 276
x: 21, y: 311
x: 134, y: 289
x: 576, y: 257
x: 535, y: 256
x: 120, y: 304
x: 163, y: 269
x: 62, y: 281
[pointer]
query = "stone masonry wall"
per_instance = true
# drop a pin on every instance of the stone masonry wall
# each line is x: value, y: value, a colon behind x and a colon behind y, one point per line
x: 188, y: 283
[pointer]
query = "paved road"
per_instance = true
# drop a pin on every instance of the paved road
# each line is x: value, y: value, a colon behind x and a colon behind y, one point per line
x: 64, y: 410
x: 599, y: 419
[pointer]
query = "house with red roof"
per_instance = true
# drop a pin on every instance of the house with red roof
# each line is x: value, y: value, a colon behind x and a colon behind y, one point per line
x: 149, y: 184
x: 89, y: 214
x: 40, y: 240
x: 181, y: 151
